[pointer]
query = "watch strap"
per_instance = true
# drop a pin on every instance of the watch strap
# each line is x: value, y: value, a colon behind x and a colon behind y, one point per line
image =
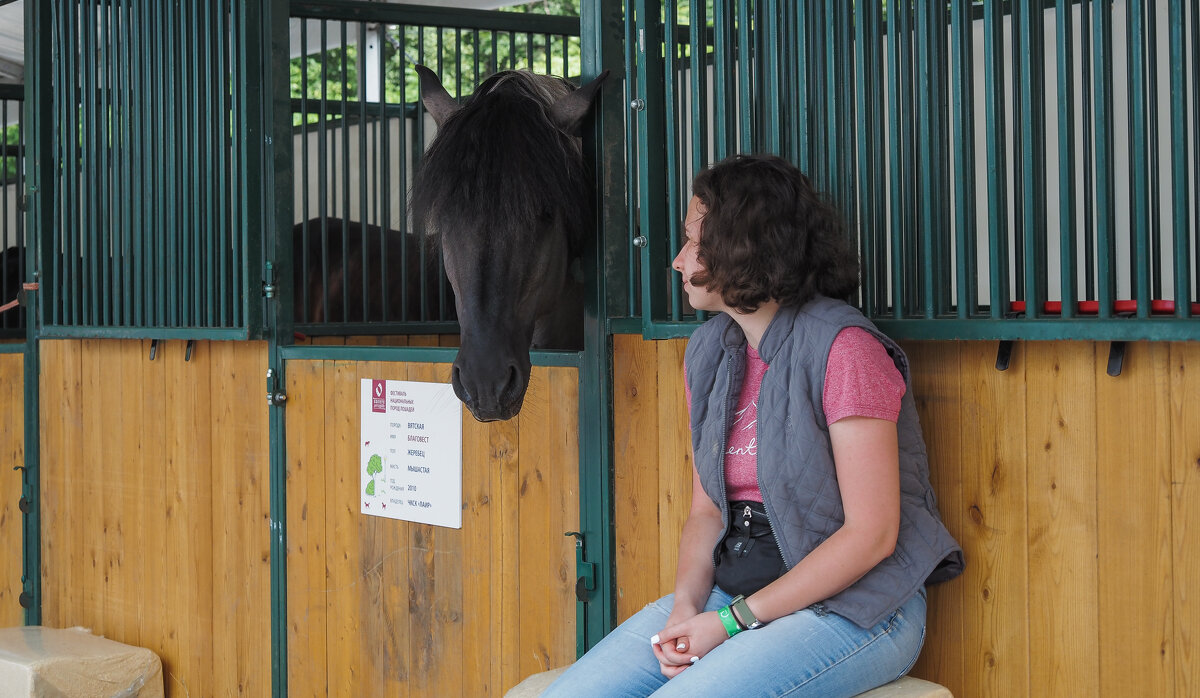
x: 742, y: 613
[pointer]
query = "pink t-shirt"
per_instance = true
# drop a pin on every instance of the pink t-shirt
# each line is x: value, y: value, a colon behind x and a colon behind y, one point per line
x: 860, y: 381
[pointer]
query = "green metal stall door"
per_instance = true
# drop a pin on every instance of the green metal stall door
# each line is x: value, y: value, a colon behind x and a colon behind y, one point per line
x: 1013, y: 170
x: 146, y: 213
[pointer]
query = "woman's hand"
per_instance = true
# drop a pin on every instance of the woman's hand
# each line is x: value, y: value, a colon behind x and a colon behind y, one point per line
x: 701, y: 633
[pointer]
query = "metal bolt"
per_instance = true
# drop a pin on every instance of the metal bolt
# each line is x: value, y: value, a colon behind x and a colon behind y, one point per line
x: 640, y: 241
x: 637, y: 104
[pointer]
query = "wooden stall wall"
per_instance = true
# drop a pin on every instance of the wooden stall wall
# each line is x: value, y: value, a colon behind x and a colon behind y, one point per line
x: 12, y: 456
x: 379, y: 607
x: 155, y: 519
x: 1075, y: 495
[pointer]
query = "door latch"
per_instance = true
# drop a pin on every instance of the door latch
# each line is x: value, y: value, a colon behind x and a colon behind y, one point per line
x: 275, y: 396
x: 585, y: 571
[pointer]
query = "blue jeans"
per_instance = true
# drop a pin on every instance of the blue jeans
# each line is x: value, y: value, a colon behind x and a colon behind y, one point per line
x: 812, y: 652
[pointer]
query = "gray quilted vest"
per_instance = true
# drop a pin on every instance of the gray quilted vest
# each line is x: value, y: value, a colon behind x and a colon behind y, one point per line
x: 795, y: 464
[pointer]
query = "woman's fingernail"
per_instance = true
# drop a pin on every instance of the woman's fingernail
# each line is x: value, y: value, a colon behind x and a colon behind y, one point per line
x: 654, y: 640
x: 693, y: 660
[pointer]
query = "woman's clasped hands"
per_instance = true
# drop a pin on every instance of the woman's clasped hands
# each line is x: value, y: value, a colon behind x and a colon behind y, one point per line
x: 683, y: 642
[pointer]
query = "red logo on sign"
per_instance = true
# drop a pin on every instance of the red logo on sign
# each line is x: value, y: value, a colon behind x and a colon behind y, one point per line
x: 378, y: 398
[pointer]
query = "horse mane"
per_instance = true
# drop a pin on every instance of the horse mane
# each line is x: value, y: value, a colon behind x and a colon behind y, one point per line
x: 501, y: 164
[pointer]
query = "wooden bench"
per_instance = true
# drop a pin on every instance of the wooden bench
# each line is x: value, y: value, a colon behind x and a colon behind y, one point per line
x: 904, y: 687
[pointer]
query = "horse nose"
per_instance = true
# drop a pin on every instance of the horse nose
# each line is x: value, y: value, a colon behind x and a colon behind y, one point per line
x: 492, y: 390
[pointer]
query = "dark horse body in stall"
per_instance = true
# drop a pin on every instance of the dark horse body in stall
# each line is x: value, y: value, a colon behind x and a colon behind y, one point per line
x: 347, y: 272
x: 505, y: 189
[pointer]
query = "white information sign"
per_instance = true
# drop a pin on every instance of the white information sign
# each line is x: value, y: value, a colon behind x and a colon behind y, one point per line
x: 411, y: 452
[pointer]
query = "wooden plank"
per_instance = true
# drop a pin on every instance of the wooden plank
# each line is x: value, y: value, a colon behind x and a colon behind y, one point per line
x: 503, y: 440
x: 1133, y: 496
x: 447, y: 625
x: 88, y: 480
x: 347, y: 644
x: 158, y: 631
x: 12, y: 456
x: 240, y: 509
x: 56, y: 511
x: 1185, y: 513
x: 385, y: 599
x: 635, y: 480
x: 308, y: 619
x: 534, y: 504
x: 1063, y: 586
x: 481, y: 647
x: 674, y: 459
x: 110, y: 487
x: 189, y: 518
x: 128, y: 578
x: 563, y: 487
x: 936, y: 376
x: 996, y: 635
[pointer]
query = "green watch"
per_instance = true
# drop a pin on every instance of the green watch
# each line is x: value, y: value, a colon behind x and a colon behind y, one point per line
x: 741, y: 611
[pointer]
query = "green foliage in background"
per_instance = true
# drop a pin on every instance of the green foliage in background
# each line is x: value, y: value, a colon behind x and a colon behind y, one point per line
x: 463, y: 57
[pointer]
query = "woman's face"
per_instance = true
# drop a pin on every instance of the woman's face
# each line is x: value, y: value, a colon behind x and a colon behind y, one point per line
x: 687, y: 262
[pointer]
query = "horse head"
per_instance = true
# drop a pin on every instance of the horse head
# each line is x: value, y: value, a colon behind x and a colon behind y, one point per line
x: 505, y: 188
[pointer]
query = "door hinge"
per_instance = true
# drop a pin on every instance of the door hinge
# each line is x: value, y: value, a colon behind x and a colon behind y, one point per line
x: 275, y: 396
x: 269, y: 287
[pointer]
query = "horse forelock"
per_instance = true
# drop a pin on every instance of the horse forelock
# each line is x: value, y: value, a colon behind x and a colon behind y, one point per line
x: 501, y: 163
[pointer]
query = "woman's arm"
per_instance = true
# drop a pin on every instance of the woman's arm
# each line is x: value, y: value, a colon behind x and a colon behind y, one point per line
x: 867, y: 461
x: 694, y: 573
x: 693, y: 577
x: 866, y: 457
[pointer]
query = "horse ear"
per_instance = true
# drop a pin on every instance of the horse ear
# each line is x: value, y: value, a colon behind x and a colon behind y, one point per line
x: 569, y: 111
x: 436, y: 99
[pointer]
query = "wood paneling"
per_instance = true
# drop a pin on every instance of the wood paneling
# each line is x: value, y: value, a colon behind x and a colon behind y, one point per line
x: 1075, y: 495
x: 155, y: 522
x: 12, y: 455
x: 380, y: 607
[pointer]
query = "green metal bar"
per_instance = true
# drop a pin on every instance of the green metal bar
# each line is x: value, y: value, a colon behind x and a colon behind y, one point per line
x: 1156, y: 329
x: 143, y: 332
x: 930, y: 194
x: 600, y: 50
x: 966, y: 217
x: 1195, y: 33
x: 632, y: 139
x: 1105, y: 194
x: 801, y: 124
x: 652, y: 156
x: 142, y: 211
x: 770, y: 76
x: 674, y: 179
x: 724, y: 116
x: 743, y: 64
x: 869, y: 103
x: 40, y: 65
x: 362, y: 166
x: 345, y: 132
x: 997, y: 184
x: 1179, y: 156
x: 899, y: 122
x: 91, y: 202
x: 436, y: 16
x: 1089, y: 217
x: 1139, y: 159
x: 1068, y: 262
x: 446, y: 355
x: 1032, y: 140
x: 1154, y: 226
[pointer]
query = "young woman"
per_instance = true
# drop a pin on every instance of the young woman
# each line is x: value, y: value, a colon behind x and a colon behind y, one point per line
x: 813, y: 529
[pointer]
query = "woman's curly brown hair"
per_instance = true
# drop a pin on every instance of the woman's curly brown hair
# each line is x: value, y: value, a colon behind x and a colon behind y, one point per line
x: 767, y: 234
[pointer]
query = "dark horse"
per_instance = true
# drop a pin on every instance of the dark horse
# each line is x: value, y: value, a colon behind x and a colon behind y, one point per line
x: 349, y: 272
x: 505, y: 188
